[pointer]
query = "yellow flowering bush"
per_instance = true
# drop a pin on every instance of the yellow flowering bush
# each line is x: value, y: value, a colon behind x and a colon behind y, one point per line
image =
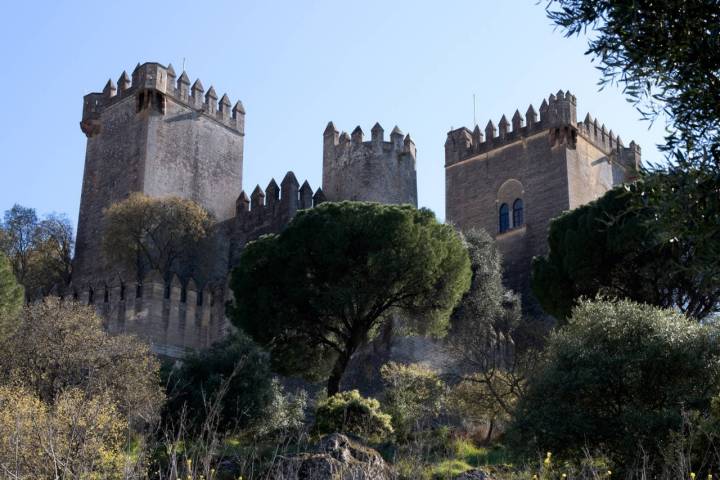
x: 77, y: 437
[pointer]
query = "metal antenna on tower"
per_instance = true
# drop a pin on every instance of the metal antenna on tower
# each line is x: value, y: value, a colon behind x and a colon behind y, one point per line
x: 183, y: 64
x: 474, y: 119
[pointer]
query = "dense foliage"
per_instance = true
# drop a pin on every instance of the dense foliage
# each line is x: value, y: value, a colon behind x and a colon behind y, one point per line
x: 414, y: 396
x: 349, y: 412
x: 482, y: 304
x: 143, y: 233
x: 283, y: 417
x: 72, y: 397
x: 609, y: 247
x: 233, y: 376
x: 11, y: 298
x: 76, y: 436
x: 40, y: 250
x: 495, y: 348
x: 60, y: 345
x: 617, y: 378
x: 316, y: 292
x: 666, y: 55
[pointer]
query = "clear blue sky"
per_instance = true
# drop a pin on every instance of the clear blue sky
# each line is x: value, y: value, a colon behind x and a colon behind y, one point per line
x: 295, y: 65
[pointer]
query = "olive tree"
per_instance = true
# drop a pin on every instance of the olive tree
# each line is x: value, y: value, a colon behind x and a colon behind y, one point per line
x: 617, y: 378
x: 145, y: 233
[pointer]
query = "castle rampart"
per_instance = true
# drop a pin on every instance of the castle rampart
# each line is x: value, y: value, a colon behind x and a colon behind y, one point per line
x: 174, y: 317
x: 160, y: 134
x: 374, y: 171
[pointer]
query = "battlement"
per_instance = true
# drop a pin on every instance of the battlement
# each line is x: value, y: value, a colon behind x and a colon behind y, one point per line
x: 268, y: 211
x: 150, y: 84
x: 175, y: 316
x: 339, y: 144
x: 558, y: 116
x: 276, y: 201
x: 605, y: 140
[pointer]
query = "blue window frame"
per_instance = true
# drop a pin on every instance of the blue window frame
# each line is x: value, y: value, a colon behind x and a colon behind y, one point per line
x: 504, y: 225
x: 518, y: 215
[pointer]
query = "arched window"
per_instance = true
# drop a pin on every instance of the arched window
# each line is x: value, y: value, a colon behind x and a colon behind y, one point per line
x: 518, y: 217
x: 504, y: 218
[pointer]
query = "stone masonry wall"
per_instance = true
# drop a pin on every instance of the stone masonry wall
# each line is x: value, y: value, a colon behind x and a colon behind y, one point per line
x: 472, y: 198
x: 173, y: 317
x: 268, y: 211
x: 190, y: 155
x: 113, y: 168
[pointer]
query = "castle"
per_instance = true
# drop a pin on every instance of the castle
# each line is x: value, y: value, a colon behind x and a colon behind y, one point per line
x: 156, y: 133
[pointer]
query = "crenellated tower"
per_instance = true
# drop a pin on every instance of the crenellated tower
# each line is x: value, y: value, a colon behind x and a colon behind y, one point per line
x: 513, y: 179
x: 374, y: 171
x: 155, y: 133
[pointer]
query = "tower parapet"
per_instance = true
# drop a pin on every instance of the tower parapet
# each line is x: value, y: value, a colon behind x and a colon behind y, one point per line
x: 558, y: 115
x: 153, y: 82
x: 376, y: 170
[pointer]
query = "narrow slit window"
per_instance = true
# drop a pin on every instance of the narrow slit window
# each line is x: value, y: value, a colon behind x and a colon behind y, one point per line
x: 518, y: 214
x: 504, y: 221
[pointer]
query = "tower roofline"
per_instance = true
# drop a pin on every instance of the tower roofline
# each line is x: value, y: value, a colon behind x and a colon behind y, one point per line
x: 157, y: 77
x: 377, y: 140
x: 558, y: 116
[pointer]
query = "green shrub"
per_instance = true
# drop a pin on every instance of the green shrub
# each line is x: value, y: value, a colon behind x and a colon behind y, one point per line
x: 233, y: 375
x: 350, y: 413
x: 475, y: 400
x: 616, y: 379
x: 284, y: 416
x: 449, y: 469
x: 413, y: 395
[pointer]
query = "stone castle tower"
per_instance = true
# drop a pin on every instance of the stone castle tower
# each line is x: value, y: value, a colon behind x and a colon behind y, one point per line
x: 158, y: 135
x: 515, y: 178
x: 155, y: 133
x: 374, y: 171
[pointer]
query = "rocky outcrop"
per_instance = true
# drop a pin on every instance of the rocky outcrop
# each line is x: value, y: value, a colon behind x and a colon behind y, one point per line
x: 473, y: 474
x: 336, y: 457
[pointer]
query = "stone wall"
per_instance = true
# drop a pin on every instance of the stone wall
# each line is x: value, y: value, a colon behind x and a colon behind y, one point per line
x: 174, y: 317
x: 190, y: 155
x: 113, y: 167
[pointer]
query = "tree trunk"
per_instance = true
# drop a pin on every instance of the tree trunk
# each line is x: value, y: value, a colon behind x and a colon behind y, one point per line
x: 333, y: 384
x: 491, y: 428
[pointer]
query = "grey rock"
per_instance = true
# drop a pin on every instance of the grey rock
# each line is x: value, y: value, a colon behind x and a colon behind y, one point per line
x: 335, y: 457
x: 473, y: 474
